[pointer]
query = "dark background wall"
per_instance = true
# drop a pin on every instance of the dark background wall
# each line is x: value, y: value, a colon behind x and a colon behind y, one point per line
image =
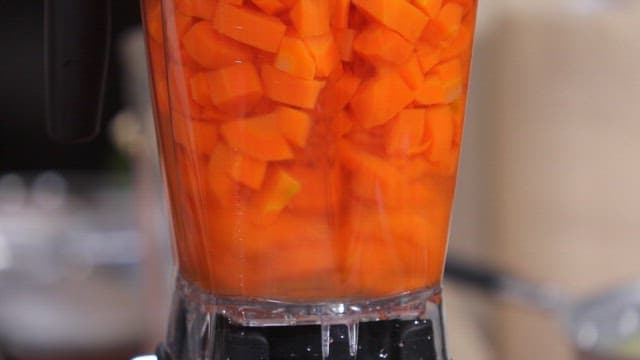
x: 23, y: 141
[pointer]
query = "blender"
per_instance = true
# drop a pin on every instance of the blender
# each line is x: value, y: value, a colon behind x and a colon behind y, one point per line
x: 310, y: 150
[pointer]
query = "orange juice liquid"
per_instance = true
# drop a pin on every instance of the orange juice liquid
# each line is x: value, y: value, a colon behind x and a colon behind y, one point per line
x: 310, y: 147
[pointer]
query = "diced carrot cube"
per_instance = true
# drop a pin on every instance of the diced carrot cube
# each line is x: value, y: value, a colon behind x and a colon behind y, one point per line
x: 344, y: 41
x: 449, y: 71
x: 212, y: 50
x: 434, y: 91
x: 252, y: 138
x: 337, y: 94
x: 235, y: 89
x: 276, y: 194
x: 379, y: 44
x: 324, y: 51
x: 287, y: 89
x: 399, y: 16
x: 406, y: 134
x: 310, y: 17
x: 447, y: 24
x: 247, y: 171
x: 197, y: 8
x: 200, y: 89
x: 359, y: 160
x: 313, y: 190
x: 270, y: 6
x: 428, y: 56
x: 459, y: 45
x: 411, y: 72
x: 379, y: 99
x: 439, y: 132
x: 249, y: 27
x: 340, y: 13
x: 179, y: 91
x: 294, y: 58
x: 429, y: 7
x: 198, y: 136
x: 224, y: 188
x: 342, y: 123
x: 293, y: 124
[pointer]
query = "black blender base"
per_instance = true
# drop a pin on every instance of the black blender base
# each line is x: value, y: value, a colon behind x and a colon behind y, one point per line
x: 392, y: 339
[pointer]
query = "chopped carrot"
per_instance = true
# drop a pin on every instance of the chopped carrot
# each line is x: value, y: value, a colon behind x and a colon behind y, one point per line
x: 270, y: 6
x: 198, y: 136
x: 380, y: 98
x: 359, y: 160
x: 287, y: 89
x: 399, y: 16
x: 447, y: 24
x: 342, y: 123
x: 429, y: 7
x: 277, y: 192
x: 252, y: 138
x: 337, y: 94
x: 379, y: 44
x: 249, y: 27
x: 310, y: 17
x: 294, y: 58
x: 406, y: 133
x: 434, y: 91
x: 449, y: 71
x: 247, y: 171
x: 200, y: 89
x: 223, y: 187
x: 197, y: 8
x: 439, y: 132
x: 293, y: 124
x: 344, y: 40
x: 313, y: 190
x: 428, y: 56
x: 324, y: 51
x: 212, y: 50
x: 235, y: 89
x: 411, y: 72
x: 460, y: 44
x: 340, y: 13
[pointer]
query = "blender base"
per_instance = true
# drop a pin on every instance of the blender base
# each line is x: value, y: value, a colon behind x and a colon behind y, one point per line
x: 204, y: 327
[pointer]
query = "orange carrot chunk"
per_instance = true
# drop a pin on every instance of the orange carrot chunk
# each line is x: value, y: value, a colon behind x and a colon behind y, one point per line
x: 200, y: 89
x: 252, y: 138
x: 287, y: 89
x: 337, y: 94
x: 344, y: 41
x: 447, y: 24
x: 310, y: 17
x: 197, y: 8
x: 429, y: 7
x: 379, y: 44
x: 235, y: 89
x: 406, y: 135
x: 379, y: 99
x: 411, y: 72
x: 275, y: 195
x: 399, y: 16
x: 340, y: 13
x: 342, y: 123
x: 294, y: 58
x: 293, y: 124
x: 198, y: 136
x: 270, y: 6
x: 247, y: 171
x: 325, y: 52
x: 439, y: 132
x: 428, y: 55
x: 434, y: 91
x: 212, y: 50
x: 249, y: 27
x: 223, y: 187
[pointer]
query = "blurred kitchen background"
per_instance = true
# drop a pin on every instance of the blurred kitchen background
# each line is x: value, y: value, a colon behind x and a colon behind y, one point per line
x: 548, y: 192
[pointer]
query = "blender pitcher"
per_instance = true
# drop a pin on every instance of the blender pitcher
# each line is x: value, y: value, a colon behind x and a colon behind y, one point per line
x: 310, y: 151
